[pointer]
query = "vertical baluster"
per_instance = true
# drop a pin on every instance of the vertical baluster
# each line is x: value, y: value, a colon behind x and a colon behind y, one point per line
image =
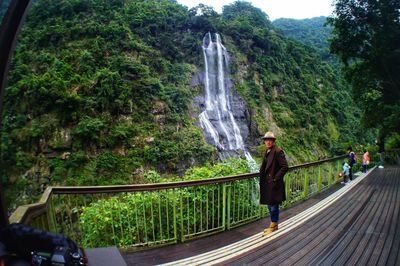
x: 319, y: 179
x: 129, y: 218
x: 52, y: 216
x: 194, y: 210
x: 213, y: 206
x: 233, y: 202
x: 152, y: 216
x: 201, y: 208
x: 188, y: 212
x: 236, y: 199
x: 175, y: 217
x: 229, y: 199
x: 167, y: 192
x: 121, y: 212
x: 223, y: 205
x: 69, y: 215
x: 300, y: 181
x: 145, y: 236
x: 78, y: 209
x: 240, y: 201
x: 181, y: 194
x: 296, y: 184
x: 159, y: 213
x: 219, y: 203
x: 251, y: 201
x: 207, y: 199
x: 136, y: 201
x: 112, y: 219
x: 248, y: 200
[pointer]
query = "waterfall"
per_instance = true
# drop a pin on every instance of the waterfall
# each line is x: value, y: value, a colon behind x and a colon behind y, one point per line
x: 217, y: 119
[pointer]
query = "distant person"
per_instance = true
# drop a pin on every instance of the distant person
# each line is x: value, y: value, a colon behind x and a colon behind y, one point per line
x: 381, y: 151
x: 272, y: 187
x: 365, y: 161
x: 351, y: 161
x: 346, y: 172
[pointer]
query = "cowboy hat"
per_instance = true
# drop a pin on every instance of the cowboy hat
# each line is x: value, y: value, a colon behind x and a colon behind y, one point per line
x: 269, y: 135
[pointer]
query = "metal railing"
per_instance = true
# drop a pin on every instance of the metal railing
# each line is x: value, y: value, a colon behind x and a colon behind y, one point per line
x: 134, y: 216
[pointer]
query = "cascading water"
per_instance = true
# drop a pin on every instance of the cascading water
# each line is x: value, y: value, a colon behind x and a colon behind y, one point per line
x: 217, y: 119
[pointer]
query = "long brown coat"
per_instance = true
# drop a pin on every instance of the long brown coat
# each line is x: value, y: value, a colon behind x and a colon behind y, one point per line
x: 273, y: 168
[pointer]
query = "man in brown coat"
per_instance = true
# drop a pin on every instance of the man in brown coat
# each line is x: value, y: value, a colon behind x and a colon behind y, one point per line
x: 272, y: 187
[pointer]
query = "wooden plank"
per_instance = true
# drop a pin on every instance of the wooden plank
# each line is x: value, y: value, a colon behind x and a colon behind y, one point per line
x: 104, y: 256
x: 344, y: 216
x: 291, y: 240
x: 379, y: 233
x: 358, y: 229
x: 345, y: 245
x: 390, y: 235
x: 394, y: 249
x: 328, y: 233
x: 199, y: 246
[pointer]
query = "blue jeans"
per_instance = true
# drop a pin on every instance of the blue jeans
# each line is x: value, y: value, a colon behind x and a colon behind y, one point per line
x: 364, y: 167
x: 274, y: 212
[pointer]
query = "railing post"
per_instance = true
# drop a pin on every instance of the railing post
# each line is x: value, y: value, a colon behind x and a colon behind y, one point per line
x: 175, y: 217
x: 319, y: 179
x: 287, y: 184
x: 228, y: 212
x: 224, y: 201
x: 181, y: 218
x: 305, y: 183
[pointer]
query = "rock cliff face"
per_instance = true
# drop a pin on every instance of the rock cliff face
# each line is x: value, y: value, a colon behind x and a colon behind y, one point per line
x: 224, y: 117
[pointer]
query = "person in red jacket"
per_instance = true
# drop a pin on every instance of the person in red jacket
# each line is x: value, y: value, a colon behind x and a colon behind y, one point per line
x: 272, y: 187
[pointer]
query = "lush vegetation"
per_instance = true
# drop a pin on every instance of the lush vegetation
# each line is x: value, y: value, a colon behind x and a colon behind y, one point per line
x: 99, y: 93
x: 149, y: 217
x: 312, y: 32
x: 367, y: 40
x: 153, y: 217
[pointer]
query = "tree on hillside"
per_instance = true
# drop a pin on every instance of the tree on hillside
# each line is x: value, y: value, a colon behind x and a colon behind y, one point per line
x: 311, y: 32
x: 367, y: 39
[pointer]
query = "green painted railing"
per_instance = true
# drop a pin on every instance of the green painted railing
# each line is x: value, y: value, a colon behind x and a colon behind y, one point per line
x: 134, y: 216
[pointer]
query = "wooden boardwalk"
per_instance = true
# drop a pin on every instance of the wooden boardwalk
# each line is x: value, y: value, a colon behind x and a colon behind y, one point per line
x: 360, y: 228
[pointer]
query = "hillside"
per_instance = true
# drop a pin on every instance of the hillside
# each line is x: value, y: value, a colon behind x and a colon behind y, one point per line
x: 312, y: 32
x: 101, y: 92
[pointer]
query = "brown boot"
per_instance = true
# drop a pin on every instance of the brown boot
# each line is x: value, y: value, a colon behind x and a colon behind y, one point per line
x: 273, y: 226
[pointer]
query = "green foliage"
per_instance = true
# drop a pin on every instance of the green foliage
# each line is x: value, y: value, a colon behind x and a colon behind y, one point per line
x: 101, y: 227
x: 120, y: 134
x: 393, y: 141
x: 366, y: 38
x: 312, y: 32
x: 231, y: 166
x: 145, y: 217
x: 89, y: 129
x: 113, y: 77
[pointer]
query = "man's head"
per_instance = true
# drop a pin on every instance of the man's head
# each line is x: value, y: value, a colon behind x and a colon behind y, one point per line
x: 349, y: 149
x: 269, y: 139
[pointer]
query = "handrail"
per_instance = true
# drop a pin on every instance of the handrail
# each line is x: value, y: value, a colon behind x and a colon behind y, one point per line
x: 169, y: 185
x: 25, y: 213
